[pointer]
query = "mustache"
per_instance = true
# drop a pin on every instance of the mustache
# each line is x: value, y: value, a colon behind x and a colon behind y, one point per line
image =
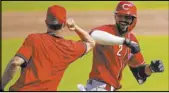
x: 124, y: 22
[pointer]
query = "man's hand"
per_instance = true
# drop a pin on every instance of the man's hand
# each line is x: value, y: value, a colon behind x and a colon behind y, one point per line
x: 156, y: 66
x: 132, y: 45
x: 70, y: 24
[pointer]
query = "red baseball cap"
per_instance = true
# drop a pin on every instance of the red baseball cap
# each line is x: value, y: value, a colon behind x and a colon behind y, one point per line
x: 56, y: 15
x: 126, y: 7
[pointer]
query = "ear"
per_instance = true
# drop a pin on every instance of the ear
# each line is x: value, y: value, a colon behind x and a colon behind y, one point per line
x: 133, y: 19
x: 115, y: 17
x: 133, y: 24
x: 63, y: 26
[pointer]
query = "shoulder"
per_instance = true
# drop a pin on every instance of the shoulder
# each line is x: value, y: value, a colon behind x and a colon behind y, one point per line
x: 32, y: 38
x: 132, y: 36
x: 35, y: 35
x: 103, y: 27
x: 110, y: 28
x: 31, y: 35
x: 72, y: 45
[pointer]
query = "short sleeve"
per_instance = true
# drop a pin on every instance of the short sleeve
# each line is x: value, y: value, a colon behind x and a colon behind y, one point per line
x: 104, y: 28
x: 132, y: 37
x: 79, y: 48
x: 136, y: 59
x: 25, y: 51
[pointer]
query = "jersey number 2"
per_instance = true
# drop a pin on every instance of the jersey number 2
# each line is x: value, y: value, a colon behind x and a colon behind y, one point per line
x: 120, y: 49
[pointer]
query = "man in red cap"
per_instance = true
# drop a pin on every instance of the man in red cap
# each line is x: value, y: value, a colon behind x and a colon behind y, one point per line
x: 117, y: 47
x: 44, y: 57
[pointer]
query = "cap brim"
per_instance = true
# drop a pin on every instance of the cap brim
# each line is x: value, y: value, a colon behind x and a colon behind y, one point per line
x: 125, y: 13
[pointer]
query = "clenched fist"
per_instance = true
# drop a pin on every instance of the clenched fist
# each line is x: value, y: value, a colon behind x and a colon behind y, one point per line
x: 156, y: 66
x: 70, y: 24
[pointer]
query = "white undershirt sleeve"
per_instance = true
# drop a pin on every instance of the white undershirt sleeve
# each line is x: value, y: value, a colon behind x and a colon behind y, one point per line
x: 105, y: 38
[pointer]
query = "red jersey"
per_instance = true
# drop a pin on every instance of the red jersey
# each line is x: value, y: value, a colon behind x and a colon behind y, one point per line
x: 47, y: 57
x: 109, y: 61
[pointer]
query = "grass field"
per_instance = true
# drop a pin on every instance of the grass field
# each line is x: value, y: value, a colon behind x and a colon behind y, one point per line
x: 79, y: 70
x: 78, y: 5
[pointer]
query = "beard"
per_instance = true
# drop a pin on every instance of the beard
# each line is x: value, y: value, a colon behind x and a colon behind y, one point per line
x: 123, y: 27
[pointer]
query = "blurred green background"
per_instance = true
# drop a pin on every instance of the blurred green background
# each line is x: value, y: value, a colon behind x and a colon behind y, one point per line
x: 153, y: 47
x: 78, y: 5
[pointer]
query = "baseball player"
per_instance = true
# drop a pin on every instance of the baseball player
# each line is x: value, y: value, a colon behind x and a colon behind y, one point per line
x: 116, y: 47
x: 44, y: 57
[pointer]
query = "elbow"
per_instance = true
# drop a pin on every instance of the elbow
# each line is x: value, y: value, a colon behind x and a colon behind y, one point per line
x: 13, y: 64
x: 16, y: 61
x: 93, y: 43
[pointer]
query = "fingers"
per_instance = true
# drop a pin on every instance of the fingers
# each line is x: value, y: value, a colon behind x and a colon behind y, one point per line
x: 158, y: 65
x: 70, y: 24
x: 161, y: 67
x: 70, y: 21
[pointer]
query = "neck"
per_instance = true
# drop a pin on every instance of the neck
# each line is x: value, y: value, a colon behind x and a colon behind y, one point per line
x: 54, y: 32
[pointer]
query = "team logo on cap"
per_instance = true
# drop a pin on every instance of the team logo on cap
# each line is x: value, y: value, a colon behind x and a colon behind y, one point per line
x: 126, y: 6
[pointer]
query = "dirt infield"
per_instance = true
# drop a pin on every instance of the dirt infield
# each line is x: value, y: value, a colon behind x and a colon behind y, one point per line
x: 20, y: 24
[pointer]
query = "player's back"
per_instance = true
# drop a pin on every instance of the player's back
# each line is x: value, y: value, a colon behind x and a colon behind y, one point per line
x: 51, y: 55
x: 56, y: 49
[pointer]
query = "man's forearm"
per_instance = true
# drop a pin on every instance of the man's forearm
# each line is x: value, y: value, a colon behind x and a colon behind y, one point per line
x: 84, y: 35
x: 105, y: 38
x: 9, y: 74
x: 148, y: 70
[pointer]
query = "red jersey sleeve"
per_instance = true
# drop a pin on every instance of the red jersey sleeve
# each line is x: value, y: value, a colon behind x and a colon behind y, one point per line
x: 78, y: 48
x: 106, y: 28
x: 25, y: 51
x: 136, y: 59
